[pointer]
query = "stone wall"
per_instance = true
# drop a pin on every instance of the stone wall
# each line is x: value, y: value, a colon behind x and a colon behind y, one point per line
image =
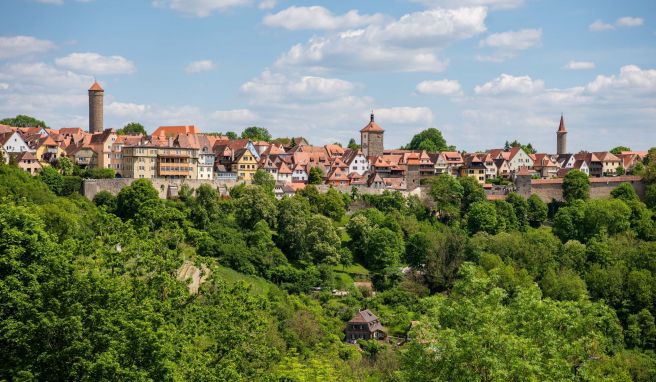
x: 552, y: 189
x: 167, y: 188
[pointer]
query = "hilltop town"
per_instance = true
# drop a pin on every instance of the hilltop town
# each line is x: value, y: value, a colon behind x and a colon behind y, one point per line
x: 184, y: 152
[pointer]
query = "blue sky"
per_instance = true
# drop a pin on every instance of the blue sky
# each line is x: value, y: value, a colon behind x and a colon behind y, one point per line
x: 482, y: 71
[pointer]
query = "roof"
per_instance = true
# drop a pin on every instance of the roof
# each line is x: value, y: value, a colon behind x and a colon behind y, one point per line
x: 372, y: 126
x: 96, y: 87
x: 175, y: 130
x: 363, y: 316
x: 26, y: 155
x: 561, y: 127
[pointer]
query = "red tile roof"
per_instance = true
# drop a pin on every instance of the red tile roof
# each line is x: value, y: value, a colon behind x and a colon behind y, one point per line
x: 561, y: 127
x: 96, y: 87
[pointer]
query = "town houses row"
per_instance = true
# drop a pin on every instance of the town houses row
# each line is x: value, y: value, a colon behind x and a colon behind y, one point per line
x: 182, y: 152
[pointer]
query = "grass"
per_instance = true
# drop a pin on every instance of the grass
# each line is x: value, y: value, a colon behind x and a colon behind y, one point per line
x: 259, y: 286
x: 355, y: 269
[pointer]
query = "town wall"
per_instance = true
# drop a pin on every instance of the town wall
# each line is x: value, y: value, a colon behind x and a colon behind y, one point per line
x: 552, y: 189
x: 167, y: 188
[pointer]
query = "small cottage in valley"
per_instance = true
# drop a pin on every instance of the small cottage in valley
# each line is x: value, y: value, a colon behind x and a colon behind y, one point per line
x: 364, y: 326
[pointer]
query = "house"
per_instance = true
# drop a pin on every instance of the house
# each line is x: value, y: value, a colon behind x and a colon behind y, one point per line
x: 299, y: 173
x: 474, y: 167
x: 364, y: 326
x: 609, y: 162
x: 356, y: 161
x: 518, y: 158
x: 545, y: 166
x: 172, y: 131
x: 244, y: 164
x: 503, y: 170
x: 13, y: 143
x: 27, y: 162
x: 284, y: 172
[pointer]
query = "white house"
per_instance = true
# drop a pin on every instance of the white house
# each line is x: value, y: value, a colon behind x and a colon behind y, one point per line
x: 356, y: 162
x: 13, y: 143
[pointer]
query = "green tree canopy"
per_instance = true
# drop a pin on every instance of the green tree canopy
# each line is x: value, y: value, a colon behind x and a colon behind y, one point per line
x: 264, y: 180
x: 316, y: 175
x: 430, y: 140
x: 447, y: 193
x: 576, y: 186
x: 537, y: 211
x: 618, y: 150
x: 130, y: 198
x: 132, y: 128
x: 23, y: 121
x: 255, y: 133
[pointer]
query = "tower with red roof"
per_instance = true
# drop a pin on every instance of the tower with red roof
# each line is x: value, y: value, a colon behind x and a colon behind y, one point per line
x: 561, y: 137
x: 371, y: 139
x: 96, y: 100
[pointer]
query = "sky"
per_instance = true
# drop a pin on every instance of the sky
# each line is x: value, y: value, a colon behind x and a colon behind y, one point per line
x: 481, y: 71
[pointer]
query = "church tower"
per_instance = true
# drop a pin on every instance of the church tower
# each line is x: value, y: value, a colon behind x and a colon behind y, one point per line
x: 561, y: 138
x: 96, y: 99
x: 371, y: 139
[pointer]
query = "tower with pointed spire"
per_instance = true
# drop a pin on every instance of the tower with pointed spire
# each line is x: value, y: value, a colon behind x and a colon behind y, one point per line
x: 96, y: 100
x: 371, y: 138
x: 561, y: 137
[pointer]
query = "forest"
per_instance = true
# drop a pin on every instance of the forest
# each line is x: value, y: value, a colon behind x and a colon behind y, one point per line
x: 475, y: 290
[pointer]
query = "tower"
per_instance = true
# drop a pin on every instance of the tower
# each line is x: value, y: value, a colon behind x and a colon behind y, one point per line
x: 561, y: 138
x: 371, y: 138
x: 96, y: 99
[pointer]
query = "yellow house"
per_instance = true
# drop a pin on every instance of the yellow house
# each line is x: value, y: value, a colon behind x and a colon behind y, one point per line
x: 47, y: 150
x: 245, y: 165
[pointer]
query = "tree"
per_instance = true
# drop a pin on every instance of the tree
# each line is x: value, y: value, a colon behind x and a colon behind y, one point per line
x: 520, y: 206
x: 482, y: 216
x: 132, y: 128
x: 352, y: 144
x: 105, y: 199
x: 315, y: 176
x: 333, y: 204
x: 576, y: 186
x: 23, y: 121
x: 253, y: 205
x: 255, y: 133
x: 53, y: 179
x: 383, y: 249
x: 447, y: 193
x: 625, y: 192
x: 130, y: 198
x: 264, y: 180
x: 650, y: 196
x: 430, y: 140
x: 618, y: 150
x: 472, y: 192
x: 528, y: 148
x: 506, y: 217
x: 232, y: 135
x: 321, y: 241
x: 65, y: 165
x: 536, y: 211
x: 620, y: 171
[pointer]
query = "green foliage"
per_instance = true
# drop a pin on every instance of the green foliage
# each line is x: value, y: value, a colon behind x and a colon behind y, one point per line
x: 264, y: 180
x: 537, y: 211
x: 482, y: 217
x: 650, y: 196
x: 253, y: 205
x: 132, y: 128
x: 618, y: 149
x: 430, y: 140
x: 53, y: 179
x: 232, y: 135
x: 447, y: 193
x: 352, y: 144
x: 98, y: 173
x: 105, y: 199
x: 23, y: 121
x: 472, y: 192
x: 315, y: 176
x: 65, y: 166
x: 528, y: 148
x: 130, y: 198
x: 255, y: 133
x: 576, y: 186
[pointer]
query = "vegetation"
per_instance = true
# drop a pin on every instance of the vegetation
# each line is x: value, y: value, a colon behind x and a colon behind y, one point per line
x: 528, y: 148
x: 430, y: 140
x: 485, y: 291
x: 23, y: 121
x: 132, y: 128
x: 255, y: 133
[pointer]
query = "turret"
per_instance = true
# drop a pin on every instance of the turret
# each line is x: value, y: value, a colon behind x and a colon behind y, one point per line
x: 561, y: 137
x: 96, y: 100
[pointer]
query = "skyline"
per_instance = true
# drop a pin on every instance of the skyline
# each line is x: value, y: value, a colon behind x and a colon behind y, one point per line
x: 480, y: 74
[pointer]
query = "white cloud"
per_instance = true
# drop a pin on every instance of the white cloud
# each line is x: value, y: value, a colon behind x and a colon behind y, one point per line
x: 629, y: 21
x: 631, y: 78
x: 200, y: 8
x: 506, y: 84
x: 626, y: 21
x: 316, y: 17
x: 241, y: 116
x: 440, y: 87
x: 199, y: 66
x: 267, y: 4
x: 94, y: 63
x: 4, y: 86
x: 492, y: 4
x: 599, y: 25
x: 21, y: 45
x: 507, y: 44
x: 579, y: 65
x: 405, y: 115
x: 411, y: 43
x: 126, y: 109
x: 278, y: 87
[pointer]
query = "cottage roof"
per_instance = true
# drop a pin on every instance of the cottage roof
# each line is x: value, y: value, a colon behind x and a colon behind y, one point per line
x: 171, y: 131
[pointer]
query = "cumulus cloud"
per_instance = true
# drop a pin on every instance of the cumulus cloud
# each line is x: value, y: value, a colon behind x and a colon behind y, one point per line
x: 405, y: 115
x: 4, y: 86
x: 411, y: 43
x: 317, y: 17
x: 439, y: 87
x: 126, y: 109
x: 626, y: 21
x: 94, y: 63
x: 508, y: 43
x: 506, y: 83
x: 15, y: 46
x: 492, y: 4
x: 278, y: 87
x: 580, y: 65
x: 199, y: 66
x: 200, y: 8
x: 267, y: 4
x: 631, y: 77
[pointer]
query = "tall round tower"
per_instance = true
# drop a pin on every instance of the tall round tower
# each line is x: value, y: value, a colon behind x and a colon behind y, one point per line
x: 561, y: 138
x: 96, y: 99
